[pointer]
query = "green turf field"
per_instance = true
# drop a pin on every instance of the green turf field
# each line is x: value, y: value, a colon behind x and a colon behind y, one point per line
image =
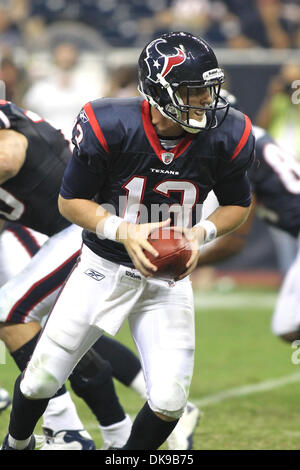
x: 244, y: 380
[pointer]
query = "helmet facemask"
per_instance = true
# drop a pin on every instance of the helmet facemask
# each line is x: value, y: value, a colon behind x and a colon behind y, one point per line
x: 173, y: 100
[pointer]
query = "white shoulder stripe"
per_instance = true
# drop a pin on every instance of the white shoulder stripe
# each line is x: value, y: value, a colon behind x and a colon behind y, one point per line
x: 5, y: 120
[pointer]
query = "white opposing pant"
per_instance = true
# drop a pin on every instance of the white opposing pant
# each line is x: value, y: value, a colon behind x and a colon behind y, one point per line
x: 286, y: 318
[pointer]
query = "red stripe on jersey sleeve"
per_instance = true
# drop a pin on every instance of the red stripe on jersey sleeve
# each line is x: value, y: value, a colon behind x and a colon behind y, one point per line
x: 244, y: 137
x: 95, y: 126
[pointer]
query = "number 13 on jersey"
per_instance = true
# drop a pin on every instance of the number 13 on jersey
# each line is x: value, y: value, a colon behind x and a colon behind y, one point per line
x: 135, y: 189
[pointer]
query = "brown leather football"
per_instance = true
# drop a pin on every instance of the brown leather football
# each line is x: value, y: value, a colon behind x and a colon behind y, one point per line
x: 174, y: 252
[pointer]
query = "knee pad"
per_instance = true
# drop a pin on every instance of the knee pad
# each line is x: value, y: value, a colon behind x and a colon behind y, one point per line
x: 168, y: 399
x: 38, y: 383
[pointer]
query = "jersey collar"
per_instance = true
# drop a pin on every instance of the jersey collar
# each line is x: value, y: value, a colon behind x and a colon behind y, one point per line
x: 166, y: 156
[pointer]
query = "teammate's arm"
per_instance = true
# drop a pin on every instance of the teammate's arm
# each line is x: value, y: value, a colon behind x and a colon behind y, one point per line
x: 13, y: 147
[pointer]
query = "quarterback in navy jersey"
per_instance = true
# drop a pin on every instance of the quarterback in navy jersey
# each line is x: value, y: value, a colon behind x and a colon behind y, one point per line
x: 33, y: 159
x: 118, y: 172
x: 275, y: 181
x: 117, y: 137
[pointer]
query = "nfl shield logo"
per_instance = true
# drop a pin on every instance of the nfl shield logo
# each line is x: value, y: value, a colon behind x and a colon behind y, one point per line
x: 167, y: 157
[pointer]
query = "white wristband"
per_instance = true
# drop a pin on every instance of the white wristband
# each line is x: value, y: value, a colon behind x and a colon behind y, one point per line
x: 210, y: 230
x: 111, y: 226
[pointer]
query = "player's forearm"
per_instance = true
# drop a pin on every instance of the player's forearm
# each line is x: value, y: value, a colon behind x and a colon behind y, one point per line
x: 9, y: 165
x: 13, y: 146
x: 229, y: 218
x: 226, y: 219
x: 5, y: 171
x: 85, y: 213
x: 230, y: 244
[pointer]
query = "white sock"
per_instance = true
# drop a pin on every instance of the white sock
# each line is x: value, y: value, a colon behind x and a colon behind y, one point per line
x: 61, y: 414
x: 139, y: 386
x: 117, y: 434
x: 16, y: 444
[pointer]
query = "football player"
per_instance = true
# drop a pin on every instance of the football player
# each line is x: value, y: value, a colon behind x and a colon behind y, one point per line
x: 275, y: 179
x: 169, y: 147
x: 28, y: 297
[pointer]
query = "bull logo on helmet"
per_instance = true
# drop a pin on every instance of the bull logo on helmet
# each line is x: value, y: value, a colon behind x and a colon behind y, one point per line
x: 159, y: 63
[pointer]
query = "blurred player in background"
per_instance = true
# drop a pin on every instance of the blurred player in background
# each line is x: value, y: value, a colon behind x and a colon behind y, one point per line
x: 117, y: 143
x: 279, y: 115
x: 275, y: 179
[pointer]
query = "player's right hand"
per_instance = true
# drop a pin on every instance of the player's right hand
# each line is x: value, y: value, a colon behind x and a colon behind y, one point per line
x: 134, y: 238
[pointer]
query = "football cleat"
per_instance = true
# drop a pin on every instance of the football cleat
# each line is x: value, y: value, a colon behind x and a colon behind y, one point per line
x: 6, y: 446
x: 67, y: 440
x: 182, y: 436
x: 4, y: 399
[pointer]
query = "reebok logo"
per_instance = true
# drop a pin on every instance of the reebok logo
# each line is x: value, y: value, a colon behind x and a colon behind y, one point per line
x: 94, y: 274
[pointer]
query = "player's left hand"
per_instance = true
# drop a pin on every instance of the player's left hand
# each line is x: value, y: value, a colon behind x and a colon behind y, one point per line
x: 196, y: 238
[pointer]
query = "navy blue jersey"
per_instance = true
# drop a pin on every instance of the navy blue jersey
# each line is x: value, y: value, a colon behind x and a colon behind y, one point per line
x: 119, y: 162
x: 276, y: 183
x: 30, y: 197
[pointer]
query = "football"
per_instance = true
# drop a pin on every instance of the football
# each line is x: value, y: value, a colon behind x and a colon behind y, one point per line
x: 174, y: 252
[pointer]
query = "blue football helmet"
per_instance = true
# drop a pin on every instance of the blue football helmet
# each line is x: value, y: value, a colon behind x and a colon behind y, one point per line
x: 180, y: 59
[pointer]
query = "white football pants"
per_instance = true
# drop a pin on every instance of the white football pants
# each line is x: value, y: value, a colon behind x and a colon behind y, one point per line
x: 98, y: 296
